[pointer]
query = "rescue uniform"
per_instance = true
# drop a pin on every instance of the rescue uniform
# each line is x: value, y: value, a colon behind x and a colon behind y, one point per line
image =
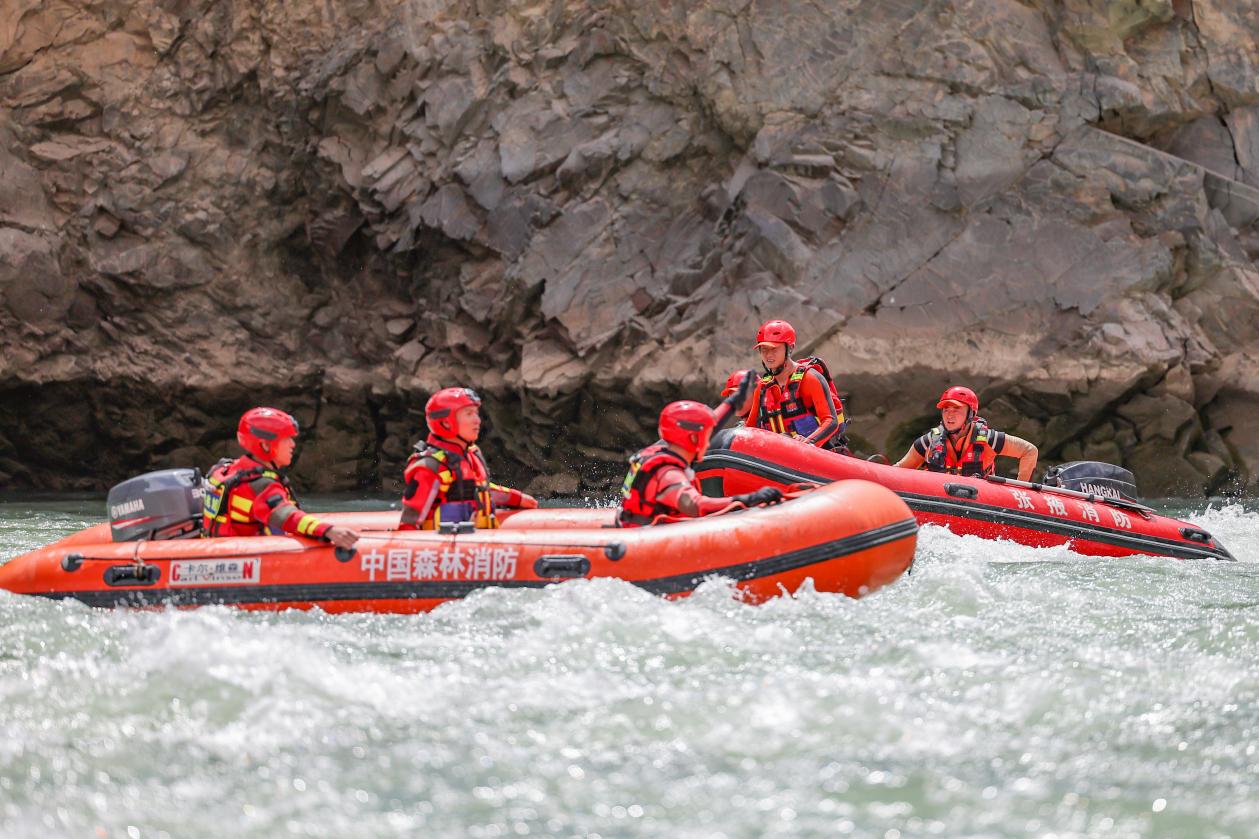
x: 245, y: 497
x: 806, y: 408
x: 448, y: 482
x: 975, y: 455
x: 657, y: 480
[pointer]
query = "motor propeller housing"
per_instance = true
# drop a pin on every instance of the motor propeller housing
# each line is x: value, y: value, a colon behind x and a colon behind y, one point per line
x: 157, y: 505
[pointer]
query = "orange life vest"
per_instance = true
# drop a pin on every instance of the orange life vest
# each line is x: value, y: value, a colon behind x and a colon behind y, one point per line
x: 463, y: 492
x: 976, y: 459
x: 637, y: 509
x: 230, y: 491
x: 786, y: 413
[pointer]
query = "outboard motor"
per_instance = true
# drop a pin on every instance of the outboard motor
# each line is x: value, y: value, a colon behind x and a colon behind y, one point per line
x: 158, y: 505
x: 1095, y: 478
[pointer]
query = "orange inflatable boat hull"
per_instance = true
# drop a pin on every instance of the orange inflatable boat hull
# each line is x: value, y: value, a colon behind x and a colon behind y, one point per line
x: 745, y: 459
x: 851, y: 537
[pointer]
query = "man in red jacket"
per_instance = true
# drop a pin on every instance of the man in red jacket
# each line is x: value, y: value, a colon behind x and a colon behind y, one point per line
x: 660, y: 482
x: 446, y: 479
x: 963, y: 444
x: 795, y: 396
x: 251, y: 496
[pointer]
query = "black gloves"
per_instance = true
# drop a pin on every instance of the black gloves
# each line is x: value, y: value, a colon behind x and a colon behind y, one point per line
x: 764, y: 495
x: 743, y: 391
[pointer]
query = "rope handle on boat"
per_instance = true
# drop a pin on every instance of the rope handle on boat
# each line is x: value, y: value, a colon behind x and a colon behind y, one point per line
x: 74, y: 560
x: 1092, y: 498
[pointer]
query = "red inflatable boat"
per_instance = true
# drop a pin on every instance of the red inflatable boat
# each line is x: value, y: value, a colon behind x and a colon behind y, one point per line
x: 743, y: 459
x: 851, y: 537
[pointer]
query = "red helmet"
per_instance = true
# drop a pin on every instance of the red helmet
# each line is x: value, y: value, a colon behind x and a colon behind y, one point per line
x: 441, y: 407
x: 959, y: 395
x: 687, y: 425
x: 260, y: 428
x: 776, y: 332
x: 732, y: 383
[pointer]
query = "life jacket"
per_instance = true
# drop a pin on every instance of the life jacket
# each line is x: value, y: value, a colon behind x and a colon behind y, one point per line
x: 637, y: 510
x: 464, y: 490
x: 786, y: 414
x: 229, y: 493
x: 977, y: 460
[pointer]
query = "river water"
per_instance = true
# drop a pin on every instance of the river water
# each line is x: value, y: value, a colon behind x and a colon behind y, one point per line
x: 997, y: 691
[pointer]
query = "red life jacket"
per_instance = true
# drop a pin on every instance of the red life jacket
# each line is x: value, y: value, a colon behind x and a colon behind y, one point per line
x: 784, y: 414
x: 464, y: 490
x: 228, y: 500
x: 637, y: 509
x: 978, y: 458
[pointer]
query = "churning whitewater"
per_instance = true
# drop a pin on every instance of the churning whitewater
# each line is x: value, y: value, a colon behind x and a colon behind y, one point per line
x: 997, y: 690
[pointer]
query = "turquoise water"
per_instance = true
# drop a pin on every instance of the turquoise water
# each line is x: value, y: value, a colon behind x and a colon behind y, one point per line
x: 997, y: 691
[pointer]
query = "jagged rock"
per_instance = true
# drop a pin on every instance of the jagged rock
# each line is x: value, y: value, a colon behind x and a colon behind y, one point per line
x: 32, y: 284
x: 1213, y: 467
x: 533, y: 137
x: 448, y: 211
x: 547, y: 368
x: 1160, y: 476
x: 1158, y: 417
x: 586, y: 212
x: 558, y: 485
x: 1243, y: 125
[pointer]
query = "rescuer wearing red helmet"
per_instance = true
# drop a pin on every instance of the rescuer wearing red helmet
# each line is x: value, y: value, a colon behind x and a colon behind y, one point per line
x: 446, y: 479
x: 963, y: 444
x: 660, y: 481
x: 795, y: 397
x: 251, y: 496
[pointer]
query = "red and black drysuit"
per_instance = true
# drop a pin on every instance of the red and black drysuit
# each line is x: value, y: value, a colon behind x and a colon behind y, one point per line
x: 657, y: 480
x: 245, y: 497
x: 448, y: 481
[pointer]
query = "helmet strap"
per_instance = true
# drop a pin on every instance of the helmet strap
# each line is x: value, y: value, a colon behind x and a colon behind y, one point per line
x: 776, y: 370
x: 681, y: 451
x: 452, y: 437
x: 963, y: 430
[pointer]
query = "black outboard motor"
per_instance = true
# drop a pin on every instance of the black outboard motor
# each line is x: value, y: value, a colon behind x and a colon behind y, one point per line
x: 1094, y: 478
x: 158, y: 505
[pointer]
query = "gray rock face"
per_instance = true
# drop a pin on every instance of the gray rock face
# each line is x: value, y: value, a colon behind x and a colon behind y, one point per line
x: 584, y: 209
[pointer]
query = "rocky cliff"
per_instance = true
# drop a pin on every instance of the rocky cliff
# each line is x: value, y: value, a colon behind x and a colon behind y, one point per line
x: 585, y: 208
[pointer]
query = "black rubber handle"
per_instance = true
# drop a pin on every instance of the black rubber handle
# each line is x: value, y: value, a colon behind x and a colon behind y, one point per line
x: 562, y: 566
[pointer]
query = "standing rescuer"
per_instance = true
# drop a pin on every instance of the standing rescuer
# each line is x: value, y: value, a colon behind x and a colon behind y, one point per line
x: 963, y: 444
x: 446, y: 479
x: 797, y: 398
x: 660, y: 482
x: 251, y: 496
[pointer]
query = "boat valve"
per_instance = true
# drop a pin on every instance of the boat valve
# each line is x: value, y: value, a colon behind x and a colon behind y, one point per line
x: 343, y: 554
x: 72, y: 562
